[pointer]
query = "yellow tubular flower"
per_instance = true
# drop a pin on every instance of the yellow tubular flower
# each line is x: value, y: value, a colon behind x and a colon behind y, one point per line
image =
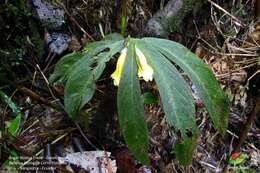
x: 144, y: 69
x: 119, y: 67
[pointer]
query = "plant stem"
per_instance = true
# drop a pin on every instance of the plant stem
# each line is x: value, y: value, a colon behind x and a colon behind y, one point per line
x: 161, y: 4
x: 123, y: 16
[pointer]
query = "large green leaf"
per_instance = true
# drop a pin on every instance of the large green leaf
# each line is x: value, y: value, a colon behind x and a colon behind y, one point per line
x: 110, y: 42
x: 177, y: 101
x: 202, y: 77
x: 79, y: 71
x: 85, y: 63
x: 105, y: 56
x: 130, y: 109
x: 102, y: 51
x: 79, y: 88
x: 63, y: 66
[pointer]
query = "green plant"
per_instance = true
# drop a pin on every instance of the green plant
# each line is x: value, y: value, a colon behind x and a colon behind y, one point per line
x: 13, y: 126
x: 145, y: 58
x: 237, y: 162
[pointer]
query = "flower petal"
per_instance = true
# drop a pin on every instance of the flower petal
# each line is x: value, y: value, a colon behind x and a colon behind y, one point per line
x: 144, y: 69
x: 119, y: 67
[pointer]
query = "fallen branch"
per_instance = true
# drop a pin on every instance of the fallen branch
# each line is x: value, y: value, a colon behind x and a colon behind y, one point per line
x: 227, y: 13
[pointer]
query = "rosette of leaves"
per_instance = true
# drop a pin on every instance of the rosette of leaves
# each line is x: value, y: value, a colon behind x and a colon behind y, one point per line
x: 77, y: 73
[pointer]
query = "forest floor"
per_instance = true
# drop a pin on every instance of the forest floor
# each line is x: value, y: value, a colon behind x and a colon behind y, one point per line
x: 225, y: 35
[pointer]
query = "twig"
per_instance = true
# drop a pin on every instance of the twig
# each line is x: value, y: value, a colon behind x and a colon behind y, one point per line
x: 101, y: 30
x: 240, y: 49
x: 36, y: 97
x: 48, y: 86
x: 258, y: 71
x: 85, y: 137
x: 35, y: 122
x: 31, y: 93
x: 227, y: 13
x: 49, y: 62
x: 208, y: 164
x: 236, y: 70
